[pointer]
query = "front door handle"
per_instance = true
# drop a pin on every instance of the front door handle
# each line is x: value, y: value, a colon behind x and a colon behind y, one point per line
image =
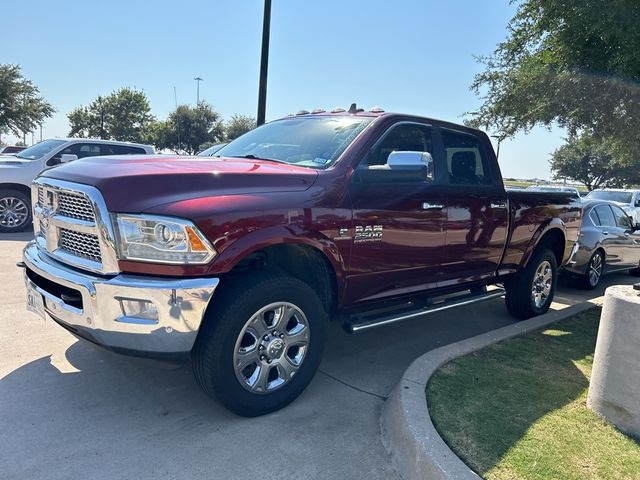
x: 498, y: 205
x: 432, y: 206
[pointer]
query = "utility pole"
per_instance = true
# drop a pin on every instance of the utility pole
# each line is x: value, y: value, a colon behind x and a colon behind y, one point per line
x: 198, y: 80
x: 499, y: 139
x: 264, y: 63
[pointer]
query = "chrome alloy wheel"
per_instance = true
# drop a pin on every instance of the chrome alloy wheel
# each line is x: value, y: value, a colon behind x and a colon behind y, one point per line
x: 595, y: 269
x: 542, y: 283
x: 271, y: 347
x: 13, y: 212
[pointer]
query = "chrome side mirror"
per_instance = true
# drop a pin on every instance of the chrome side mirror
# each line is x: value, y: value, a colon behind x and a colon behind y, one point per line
x: 411, y: 161
x: 68, y: 157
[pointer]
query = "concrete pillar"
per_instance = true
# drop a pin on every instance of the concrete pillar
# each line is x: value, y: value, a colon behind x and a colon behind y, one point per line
x: 614, y: 392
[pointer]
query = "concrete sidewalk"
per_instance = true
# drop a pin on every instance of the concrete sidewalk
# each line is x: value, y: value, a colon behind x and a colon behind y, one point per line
x: 68, y: 409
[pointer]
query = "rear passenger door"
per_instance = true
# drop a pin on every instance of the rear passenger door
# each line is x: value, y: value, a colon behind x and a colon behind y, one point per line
x: 477, y: 210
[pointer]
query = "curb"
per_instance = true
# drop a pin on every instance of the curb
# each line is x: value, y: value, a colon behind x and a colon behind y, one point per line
x: 408, y: 433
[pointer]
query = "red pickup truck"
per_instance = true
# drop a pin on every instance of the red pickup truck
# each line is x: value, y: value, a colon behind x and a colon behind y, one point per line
x: 239, y: 261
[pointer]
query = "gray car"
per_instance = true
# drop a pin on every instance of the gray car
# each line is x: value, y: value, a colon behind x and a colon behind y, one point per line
x: 608, y: 242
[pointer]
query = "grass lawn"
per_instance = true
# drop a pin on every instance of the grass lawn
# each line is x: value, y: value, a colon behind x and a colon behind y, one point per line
x: 517, y: 410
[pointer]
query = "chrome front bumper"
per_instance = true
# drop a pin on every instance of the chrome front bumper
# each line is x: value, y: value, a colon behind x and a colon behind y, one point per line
x: 103, y: 315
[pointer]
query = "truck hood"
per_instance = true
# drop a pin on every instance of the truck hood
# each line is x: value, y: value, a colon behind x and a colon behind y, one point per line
x: 137, y: 183
x: 12, y: 161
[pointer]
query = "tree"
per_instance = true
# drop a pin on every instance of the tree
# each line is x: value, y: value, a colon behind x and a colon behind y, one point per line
x: 592, y: 162
x: 123, y: 115
x: 238, y: 125
x: 189, y: 127
x: 21, y: 108
x: 570, y: 62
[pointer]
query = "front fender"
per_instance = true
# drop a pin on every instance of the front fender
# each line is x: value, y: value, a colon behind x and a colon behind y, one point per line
x: 280, y: 235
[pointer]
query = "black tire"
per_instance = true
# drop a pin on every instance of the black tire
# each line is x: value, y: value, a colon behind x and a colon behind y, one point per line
x: 519, y: 299
x: 587, y: 281
x: 15, y: 197
x: 232, y: 306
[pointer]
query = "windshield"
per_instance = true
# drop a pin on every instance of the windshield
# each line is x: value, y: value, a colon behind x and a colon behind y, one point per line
x: 211, y: 150
x: 39, y: 150
x: 620, y: 197
x: 314, y: 142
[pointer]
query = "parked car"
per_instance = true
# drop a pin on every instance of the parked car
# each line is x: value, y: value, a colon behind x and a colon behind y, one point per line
x: 365, y: 218
x: 212, y: 150
x: 10, y: 149
x: 608, y: 242
x: 18, y: 171
x: 627, y: 199
x: 555, y: 188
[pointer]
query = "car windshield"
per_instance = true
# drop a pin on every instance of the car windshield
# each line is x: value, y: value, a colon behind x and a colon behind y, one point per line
x: 307, y: 141
x: 39, y: 150
x: 620, y: 197
x: 211, y: 150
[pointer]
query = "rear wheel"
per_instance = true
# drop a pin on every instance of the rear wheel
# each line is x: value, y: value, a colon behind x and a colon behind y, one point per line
x: 595, y: 269
x: 260, y: 344
x: 15, y: 211
x: 531, y: 292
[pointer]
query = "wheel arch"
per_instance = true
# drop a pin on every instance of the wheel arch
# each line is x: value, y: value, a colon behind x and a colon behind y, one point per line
x: 553, y: 236
x: 16, y: 186
x: 310, y: 258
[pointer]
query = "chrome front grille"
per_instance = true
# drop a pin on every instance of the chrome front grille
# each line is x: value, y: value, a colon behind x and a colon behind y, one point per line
x: 75, y: 206
x: 71, y: 224
x: 80, y: 244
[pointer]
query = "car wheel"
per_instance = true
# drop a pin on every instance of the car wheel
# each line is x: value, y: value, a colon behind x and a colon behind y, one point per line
x: 595, y: 270
x: 531, y: 291
x: 260, y: 343
x: 15, y: 211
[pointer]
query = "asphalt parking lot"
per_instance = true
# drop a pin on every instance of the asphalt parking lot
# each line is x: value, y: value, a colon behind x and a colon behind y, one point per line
x: 68, y: 409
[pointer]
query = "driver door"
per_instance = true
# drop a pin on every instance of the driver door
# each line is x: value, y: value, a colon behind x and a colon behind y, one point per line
x: 398, y: 236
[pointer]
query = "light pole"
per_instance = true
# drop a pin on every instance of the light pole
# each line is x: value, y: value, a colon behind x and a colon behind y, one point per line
x: 264, y: 63
x: 499, y: 139
x: 198, y: 80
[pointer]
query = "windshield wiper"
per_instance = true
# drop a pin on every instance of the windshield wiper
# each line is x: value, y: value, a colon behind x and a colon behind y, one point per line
x: 251, y: 156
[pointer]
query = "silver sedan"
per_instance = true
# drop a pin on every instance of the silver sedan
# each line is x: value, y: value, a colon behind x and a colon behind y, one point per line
x: 608, y: 242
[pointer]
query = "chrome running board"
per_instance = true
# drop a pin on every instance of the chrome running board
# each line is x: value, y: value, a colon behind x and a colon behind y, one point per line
x: 360, y: 323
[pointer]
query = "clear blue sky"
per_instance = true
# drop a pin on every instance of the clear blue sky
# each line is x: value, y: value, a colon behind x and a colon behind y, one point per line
x: 414, y: 56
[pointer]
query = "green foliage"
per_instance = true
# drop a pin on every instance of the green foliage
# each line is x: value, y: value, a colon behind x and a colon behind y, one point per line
x: 517, y: 410
x: 187, y: 128
x: 570, y: 62
x: 238, y: 125
x: 21, y: 108
x: 594, y: 162
x: 123, y: 115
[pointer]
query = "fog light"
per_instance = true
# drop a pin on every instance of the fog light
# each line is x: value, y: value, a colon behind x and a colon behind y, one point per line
x: 138, y: 311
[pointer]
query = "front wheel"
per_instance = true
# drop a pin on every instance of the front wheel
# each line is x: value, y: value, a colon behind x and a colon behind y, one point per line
x: 531, y: 291
x: 15, y: 211
x: 260, y: 343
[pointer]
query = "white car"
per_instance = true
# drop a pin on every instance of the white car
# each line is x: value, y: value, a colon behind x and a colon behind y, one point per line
x: 18, y: 170
x: 628, y: 199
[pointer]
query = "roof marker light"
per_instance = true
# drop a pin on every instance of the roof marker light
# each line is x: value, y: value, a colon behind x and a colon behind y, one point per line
x: 302, y: 112
x: 318, y: 110
x: 377, y: 109
x: 338, y: 110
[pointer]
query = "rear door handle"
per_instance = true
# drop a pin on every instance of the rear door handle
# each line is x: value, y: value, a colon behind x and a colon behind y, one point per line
x: 432, y: 206
x: 498, y: 205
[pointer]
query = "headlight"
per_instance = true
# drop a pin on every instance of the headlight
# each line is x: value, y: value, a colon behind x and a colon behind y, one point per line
x: 149, y: 238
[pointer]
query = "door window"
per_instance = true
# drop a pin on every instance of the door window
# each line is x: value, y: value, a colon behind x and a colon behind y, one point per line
x: 605, y: 216
x: 622, y: 219
x: 81, y: 150
x: 466, y: 161
x: 405, y: 137
x: 121, y: 150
